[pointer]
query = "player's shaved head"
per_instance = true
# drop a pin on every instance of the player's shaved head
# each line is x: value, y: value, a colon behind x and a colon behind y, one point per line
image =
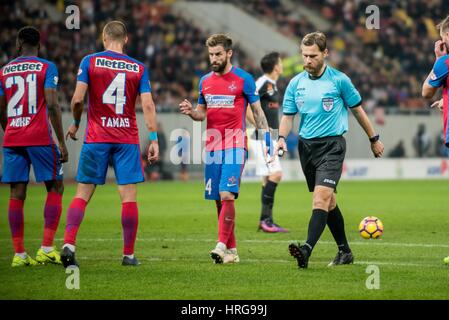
x: 219, y: 40
x: 115, y: 31
x: 317, y: 38
x: 443, y: 26
x: 28, y: 36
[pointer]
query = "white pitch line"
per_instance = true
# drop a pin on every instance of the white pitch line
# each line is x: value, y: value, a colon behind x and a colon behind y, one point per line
x: 258, y: 261
x: 360, y: 243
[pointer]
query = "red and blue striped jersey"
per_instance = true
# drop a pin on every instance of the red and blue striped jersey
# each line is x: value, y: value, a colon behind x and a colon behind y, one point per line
x: 226, y: 98
x: 22, y: 82
x: 115, y: 80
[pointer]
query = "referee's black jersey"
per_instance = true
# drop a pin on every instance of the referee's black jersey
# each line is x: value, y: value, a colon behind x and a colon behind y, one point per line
x: 269, y: 100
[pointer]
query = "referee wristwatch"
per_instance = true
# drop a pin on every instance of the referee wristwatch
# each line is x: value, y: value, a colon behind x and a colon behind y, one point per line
x: 374, y: 138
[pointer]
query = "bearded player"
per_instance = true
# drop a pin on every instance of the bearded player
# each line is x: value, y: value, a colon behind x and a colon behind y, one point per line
x: 224, y: 95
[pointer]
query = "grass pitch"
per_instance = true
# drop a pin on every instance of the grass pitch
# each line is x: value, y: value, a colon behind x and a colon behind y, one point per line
x: 177, y: 229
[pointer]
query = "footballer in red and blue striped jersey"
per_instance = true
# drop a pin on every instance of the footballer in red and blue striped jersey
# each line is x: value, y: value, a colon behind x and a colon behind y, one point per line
x: 226, y: 98
x: 439, y: 78
x: 22, y: 83
x: 114, y: 82
x: 224, y: 95
x: 28, y: 102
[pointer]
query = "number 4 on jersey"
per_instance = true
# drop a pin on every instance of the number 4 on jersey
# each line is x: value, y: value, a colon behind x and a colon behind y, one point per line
x: 115, y: 93
x: 209, y: 186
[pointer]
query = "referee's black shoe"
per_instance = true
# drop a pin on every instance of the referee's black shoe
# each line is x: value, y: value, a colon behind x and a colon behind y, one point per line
x: 68, y: 258
x: 300, y: 254
x: 342, y: 258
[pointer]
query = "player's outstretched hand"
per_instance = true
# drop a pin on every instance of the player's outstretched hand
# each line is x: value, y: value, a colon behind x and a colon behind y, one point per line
x: 377, y: 148
x: 440, y: 49
x: 185, y: 107
x: 281, y: 147
x: 64, y: 153
x: 438, y: 104
x: 153, y: 152
x: 72, y: 132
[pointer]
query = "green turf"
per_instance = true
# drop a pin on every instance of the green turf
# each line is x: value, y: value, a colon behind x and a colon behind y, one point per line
x: 178, y: 229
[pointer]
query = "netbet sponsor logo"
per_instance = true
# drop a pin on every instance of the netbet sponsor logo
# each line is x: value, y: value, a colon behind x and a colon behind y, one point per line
x: 120, y: 65
x: 219, y: 101
x: 22, y: 67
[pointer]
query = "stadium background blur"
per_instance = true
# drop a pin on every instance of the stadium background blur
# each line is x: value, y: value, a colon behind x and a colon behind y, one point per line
x: 387, y: 65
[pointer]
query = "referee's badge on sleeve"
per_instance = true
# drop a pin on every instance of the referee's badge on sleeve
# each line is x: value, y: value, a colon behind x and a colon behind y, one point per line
x: 328, y: 104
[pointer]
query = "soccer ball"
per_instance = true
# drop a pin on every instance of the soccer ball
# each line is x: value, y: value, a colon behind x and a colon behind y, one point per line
x: 371, y: 228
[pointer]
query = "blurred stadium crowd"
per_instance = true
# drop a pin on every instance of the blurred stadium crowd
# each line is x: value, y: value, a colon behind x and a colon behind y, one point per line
x: 387, y: 65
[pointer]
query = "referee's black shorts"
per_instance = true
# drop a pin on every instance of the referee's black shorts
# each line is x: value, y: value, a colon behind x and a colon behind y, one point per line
x: 322, y: 160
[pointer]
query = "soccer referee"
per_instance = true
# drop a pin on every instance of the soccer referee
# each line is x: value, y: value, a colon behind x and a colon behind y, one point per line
x: 322, y: 96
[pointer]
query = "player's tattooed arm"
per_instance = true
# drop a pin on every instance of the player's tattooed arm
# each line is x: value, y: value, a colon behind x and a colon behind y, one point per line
x: 54, y: 113
x: 250, y: 116
x: 259, y: 116
x: 3, y: 117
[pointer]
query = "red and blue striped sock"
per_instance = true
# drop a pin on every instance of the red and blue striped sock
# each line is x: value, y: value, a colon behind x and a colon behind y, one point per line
x: 231, y: 243
x: 130, y: 221
x: 226, y: 221
x: 75, y: 216
x: 15, y: 217
x: 52, y: 214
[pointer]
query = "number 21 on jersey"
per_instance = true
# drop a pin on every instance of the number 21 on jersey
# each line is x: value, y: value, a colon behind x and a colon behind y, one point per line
x: 15, y: 104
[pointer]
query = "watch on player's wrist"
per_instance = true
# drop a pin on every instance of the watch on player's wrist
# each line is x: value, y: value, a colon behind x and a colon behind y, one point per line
x: 374, y: 138
x: 279, y: 138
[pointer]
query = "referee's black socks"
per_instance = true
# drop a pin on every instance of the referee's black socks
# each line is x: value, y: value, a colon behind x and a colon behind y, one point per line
x: 317, y: 224
x: 336, y: 225
x: 267, y: 200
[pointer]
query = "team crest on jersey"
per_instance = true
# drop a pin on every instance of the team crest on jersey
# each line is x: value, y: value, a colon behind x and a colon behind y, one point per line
x: 328, y: 104
x: 270, y: 89
x: 232, y: 180
x: 232, y: 87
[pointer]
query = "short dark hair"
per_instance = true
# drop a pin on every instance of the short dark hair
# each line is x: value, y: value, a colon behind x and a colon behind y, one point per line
x: 29, y: 36
x: 269, y: 61
x: 317, y: 38
x: 219, y: 40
